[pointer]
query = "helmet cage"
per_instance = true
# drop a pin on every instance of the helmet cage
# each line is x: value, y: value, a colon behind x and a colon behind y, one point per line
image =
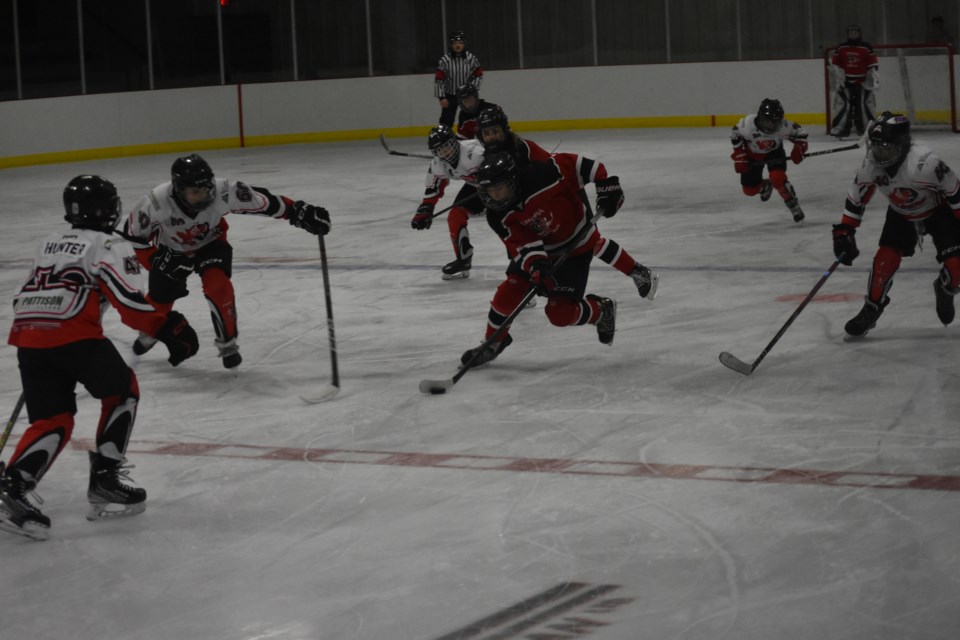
x: 443, y: 144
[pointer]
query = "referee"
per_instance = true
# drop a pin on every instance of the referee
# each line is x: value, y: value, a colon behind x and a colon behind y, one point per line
x: 457, y: 67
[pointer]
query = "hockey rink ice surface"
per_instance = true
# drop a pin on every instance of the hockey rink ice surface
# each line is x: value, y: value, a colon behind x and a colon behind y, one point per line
x: 568, y: 490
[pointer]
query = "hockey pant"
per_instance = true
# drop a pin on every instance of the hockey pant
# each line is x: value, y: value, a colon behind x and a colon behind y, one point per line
x: 854, y: 106
x: 566, y: 305
x: 751, y: 180
x: 49, y: 378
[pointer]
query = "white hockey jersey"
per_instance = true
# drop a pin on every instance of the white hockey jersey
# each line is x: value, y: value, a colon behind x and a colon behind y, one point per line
x: 440, y: 173
x: 922, y: 183
x: 74, y: 275
x: 745, y: 133
x: 157, y: 219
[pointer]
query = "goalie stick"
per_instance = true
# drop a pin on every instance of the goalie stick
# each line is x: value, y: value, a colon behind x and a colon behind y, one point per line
x: 732, y: 362
x: 333, y: 388
x: 383, y: 141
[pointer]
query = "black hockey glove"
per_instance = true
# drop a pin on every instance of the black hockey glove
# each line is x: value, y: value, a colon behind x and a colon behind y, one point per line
x: 172, y: 263
x: 609, y: 196
x: 315, y: 220
x: 541, y: 277
x: 424, y: 217
x: 179, y: 338
x: 845, y: 243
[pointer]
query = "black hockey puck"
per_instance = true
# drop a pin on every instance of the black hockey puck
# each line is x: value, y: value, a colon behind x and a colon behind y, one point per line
x: 437, y: 390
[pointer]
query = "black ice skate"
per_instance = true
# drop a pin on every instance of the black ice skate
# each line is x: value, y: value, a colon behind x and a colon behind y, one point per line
x: 647, y: 281
x: 793, y: 205
x: 143, y: 343
x: 458, y: 269
x: 766, y: 189
x: 607, y: 322
x: 860, y: 324
x: 945, y: 310
x: 229, y: 352
x: 17, y: 515
x: 108, y: 496
x: 485, y: 354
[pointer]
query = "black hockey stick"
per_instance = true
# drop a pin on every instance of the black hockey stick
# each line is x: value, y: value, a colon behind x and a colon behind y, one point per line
x: 732, y: 362
x: 437, y: 387
x: 12, y: 421
x: 856, y: 145
x: 334, y: 387
x: 383, y: 141
x: 455, y: 204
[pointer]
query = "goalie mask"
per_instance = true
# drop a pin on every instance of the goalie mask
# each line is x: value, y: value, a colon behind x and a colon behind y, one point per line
x: 91, y: 203
x: 193, y: 185
x: 497, y: 181
x: 769, y: 116
x: 444, y: 144
x: 889, y: 139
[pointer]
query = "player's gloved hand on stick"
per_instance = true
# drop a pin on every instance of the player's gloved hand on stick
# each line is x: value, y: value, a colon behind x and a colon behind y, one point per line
x: 423, y: 218
x: 609, y: 196
x: 844, y: 243
x: 179, y: 338
x: 741, y: 160
x: 799, y: 149
x: 541, y: 277
x: 172, y: 263
x: 312, y: 219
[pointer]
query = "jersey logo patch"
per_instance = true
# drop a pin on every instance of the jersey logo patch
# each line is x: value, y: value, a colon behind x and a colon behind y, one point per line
x: 194, y: 234
x: 243, y: 193
x: 143, y: 219
x: 131, y: 265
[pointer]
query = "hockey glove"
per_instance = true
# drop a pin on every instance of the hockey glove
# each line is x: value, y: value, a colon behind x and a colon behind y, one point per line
x: 172, y: 264
x: 541, y: 277
x: 315, y: 220
x: 799, y: 149
x: 423, y: 218
x: 845, y: 244
x: 179, y: 338
x: 741, y: 160
x: 609, y: 196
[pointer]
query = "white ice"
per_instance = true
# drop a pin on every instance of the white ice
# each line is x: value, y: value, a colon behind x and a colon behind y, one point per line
x: 817, y: 498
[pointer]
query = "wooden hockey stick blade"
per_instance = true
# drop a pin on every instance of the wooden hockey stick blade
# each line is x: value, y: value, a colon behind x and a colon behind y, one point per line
x: 436, y: 387
x: 733, y: 362
x: 383, y: 141
x: 327, y: 393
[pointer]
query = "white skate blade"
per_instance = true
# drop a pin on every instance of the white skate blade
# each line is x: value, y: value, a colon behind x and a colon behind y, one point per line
x: 460, y: 275
x: 112, y: 511
x: 30, y: 530
x: 654, y: 285
x: 327, y: 393
x: 733, y: 362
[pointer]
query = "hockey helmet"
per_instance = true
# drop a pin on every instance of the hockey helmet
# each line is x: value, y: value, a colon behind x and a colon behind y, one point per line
x: 769, y: 116
x: 854, y: 32
x: 889, y: 139
x: 443, y: 144
x: 492, y: 126
x: 457, y: 36
x: 193, y: 185
x: 91, y: 202
x: 497, y: 181
x: 468, y: 97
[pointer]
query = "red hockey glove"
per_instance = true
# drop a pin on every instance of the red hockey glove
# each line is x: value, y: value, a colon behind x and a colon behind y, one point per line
x: 845, y: 243
x: 179, y: 337
x: 799, y: 148
x: 609, y: 196
x: 423, y: 218
x: 541, y: 277
x: 741, y: 160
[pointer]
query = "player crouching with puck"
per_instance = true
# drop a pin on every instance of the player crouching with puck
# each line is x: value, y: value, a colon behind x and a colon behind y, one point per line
x: 59, y: 338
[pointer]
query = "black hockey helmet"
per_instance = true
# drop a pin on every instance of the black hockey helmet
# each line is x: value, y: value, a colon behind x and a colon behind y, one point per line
x: 457, y: 36
x: 444, y: 144
x: 91, y: 202
x: 192, y: 172
x: 769, y: 116
x: 889, y: 139
x: 854, y: 28
x: 497, y: 181
x: 492, y: 121
x: 464, y: 94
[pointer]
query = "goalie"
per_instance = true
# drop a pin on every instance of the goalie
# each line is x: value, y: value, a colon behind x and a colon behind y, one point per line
x: 854, y: 76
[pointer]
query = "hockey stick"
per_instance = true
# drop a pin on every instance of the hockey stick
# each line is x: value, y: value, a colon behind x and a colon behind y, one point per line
x: 437, y: 387
x: 856, y: 145
x: 334, y: 387
x: 383, y: 141
x: 12, y: 421
x: 732, y: 362
x: 455, y: 204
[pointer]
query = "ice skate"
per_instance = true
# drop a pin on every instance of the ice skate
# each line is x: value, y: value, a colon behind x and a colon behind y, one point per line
x: 860, y: 324
x: 793, y: 204
x: 646, y: 280
x: 229, y: 352
x: 17, y: 515
x: 607, y: 322
x: 766, y: 189
x: 485, y: 354
x: 458, y: 269
x: 108, y: 496
x: 945, y: 309
x: 143, y: 343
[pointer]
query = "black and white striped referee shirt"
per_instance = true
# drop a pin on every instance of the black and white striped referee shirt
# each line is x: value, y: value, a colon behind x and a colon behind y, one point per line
x: 455, y: 70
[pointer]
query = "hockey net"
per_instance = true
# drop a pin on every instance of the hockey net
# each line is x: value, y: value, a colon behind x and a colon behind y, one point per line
x: 916, y: 80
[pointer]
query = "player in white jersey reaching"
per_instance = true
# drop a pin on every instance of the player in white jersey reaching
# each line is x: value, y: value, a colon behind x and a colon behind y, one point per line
x: 924, y: 199
x: 453, y: 159
x: 757, y: 143
x: 178, y: 229
x: 58, y: 334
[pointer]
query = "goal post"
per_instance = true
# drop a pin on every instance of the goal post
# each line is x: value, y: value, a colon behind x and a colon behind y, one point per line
x: 916, y: 79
